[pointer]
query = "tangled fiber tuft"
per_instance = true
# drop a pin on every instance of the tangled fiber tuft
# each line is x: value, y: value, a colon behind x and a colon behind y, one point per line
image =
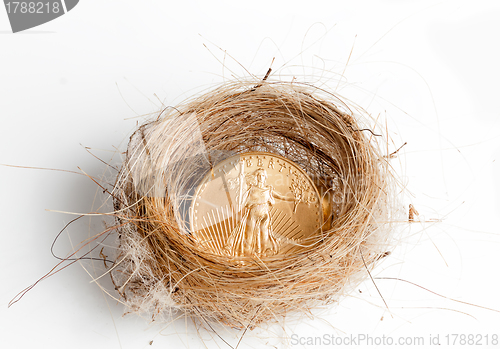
x: 160, y: 267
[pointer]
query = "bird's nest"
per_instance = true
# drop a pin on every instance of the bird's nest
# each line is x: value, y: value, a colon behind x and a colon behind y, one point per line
x: 160, y: 266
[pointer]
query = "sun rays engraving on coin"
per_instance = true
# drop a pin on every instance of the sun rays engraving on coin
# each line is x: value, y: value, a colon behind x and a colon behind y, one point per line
x: 255, y: 205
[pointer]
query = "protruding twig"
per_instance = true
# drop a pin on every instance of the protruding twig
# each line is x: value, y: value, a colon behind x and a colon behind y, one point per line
x: 265, y: 77
x: 393, y: 154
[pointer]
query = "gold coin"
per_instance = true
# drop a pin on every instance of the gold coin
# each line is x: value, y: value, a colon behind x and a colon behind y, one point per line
x: 255, y: 205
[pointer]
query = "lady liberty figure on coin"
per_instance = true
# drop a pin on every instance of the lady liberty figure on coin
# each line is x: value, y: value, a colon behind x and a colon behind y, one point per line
x: 253, y: 235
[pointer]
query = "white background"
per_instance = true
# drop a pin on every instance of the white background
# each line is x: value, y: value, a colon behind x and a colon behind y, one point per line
x: 427, y: 69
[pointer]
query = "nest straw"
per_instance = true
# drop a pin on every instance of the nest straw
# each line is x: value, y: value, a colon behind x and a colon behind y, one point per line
x: 160, y: 267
